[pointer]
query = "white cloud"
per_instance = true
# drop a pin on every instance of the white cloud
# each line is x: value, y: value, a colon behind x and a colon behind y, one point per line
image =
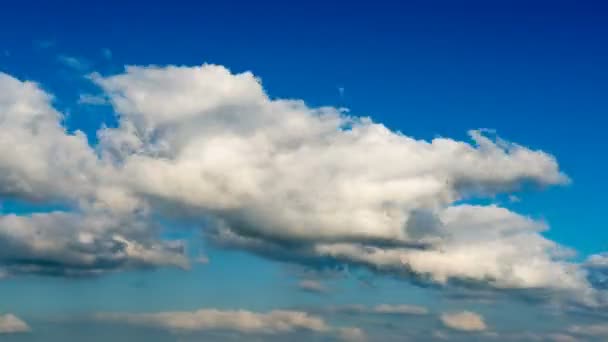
x: 598, y: 260
x: 59, y: 243
x: 312, y: 286
x: 463, y: 321
x: 595, y: 330
x: 105, y: 228
x: 202, y: 259
x: 277, y: 170
x: 281, y: 179
x: 248, y: 322
x: 10, y: 324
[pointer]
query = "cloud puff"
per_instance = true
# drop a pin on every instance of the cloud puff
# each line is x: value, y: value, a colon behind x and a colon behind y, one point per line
x: 463, y: 321
x: 10, y: 324
x: 247, y: 322
x: 39, y: 160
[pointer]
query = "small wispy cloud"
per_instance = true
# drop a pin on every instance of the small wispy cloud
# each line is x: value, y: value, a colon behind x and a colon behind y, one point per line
x: 73, y: 62
x: 91, y: 99
x: 312, y: 286
x: 381, y: 309
x: 43, y: 44
x: 202, y: 259
x: 106, y: 53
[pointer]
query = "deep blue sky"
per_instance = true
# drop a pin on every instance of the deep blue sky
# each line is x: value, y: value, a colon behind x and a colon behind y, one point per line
x: 536, y: 71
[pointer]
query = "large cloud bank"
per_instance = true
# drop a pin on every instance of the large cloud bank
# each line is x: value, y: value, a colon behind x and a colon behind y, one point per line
x: 271, y: 176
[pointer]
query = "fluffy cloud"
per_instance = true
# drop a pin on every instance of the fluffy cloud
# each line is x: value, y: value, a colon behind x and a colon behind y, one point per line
x: 247, y: 322
x: 276, y: 174
x: 463, y: 321
x: 40, y: 162
x: 280, y: 179
x: 10, y: 324
x: 60, y: 243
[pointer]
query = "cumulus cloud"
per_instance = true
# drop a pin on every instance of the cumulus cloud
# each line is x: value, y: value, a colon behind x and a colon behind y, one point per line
x: 242, y: 321
x: 42, y: 163
x: 10, y: 324
x: 276, y: 174
x: 60, y: 243
x: 275, y: 177
x: 463, y: 321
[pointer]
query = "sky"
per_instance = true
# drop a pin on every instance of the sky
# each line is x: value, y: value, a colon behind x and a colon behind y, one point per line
x: 370, y: 171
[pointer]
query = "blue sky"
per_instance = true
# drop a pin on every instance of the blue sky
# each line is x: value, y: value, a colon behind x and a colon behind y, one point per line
x: 535, y: 73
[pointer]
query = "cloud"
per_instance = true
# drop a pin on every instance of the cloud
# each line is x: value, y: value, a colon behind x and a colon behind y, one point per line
x: 275, y: 177
x: 43, y: 44
x: 106, y: 53
x: 40, y: 162
x: 381, y: 309
x: 312, y: 286
x: 597, y: 268
x: 202, y: 259
x: 275, y: 174
x: 10, y: 324
x: 73, y: 62
x: 463, y: 321
x: 594, y: 330
x: 68, y: 244
x: 242, y: 321
x: 90, y: 99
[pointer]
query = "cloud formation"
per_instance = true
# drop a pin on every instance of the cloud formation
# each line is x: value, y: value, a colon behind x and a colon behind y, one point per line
x: 43, y: 164
x: 463, y: 321
x: 11, y: 324
x: 242, y: 321
x: 277, y: 178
